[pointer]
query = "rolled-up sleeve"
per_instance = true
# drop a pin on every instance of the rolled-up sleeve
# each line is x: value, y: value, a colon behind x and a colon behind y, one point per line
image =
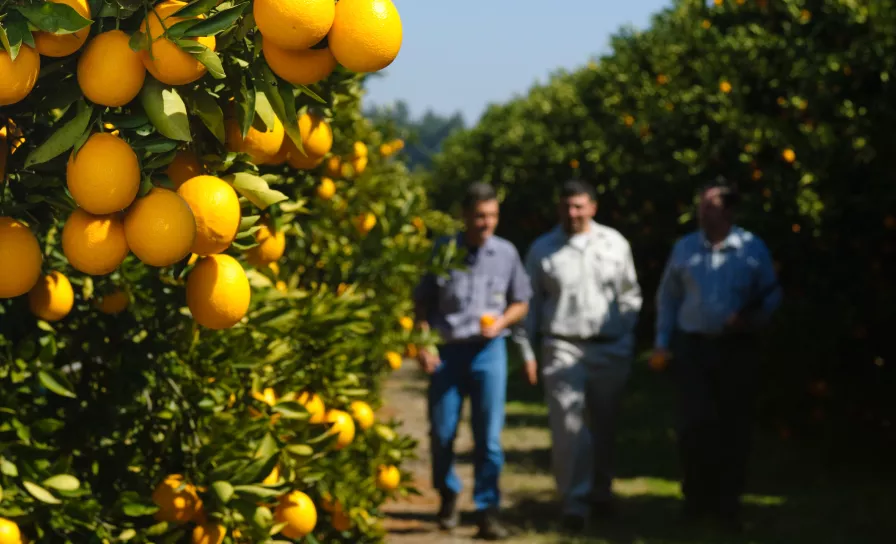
x: 527, y: 331
x: 519, y: 287
x: 768, y: 284
x: 630, y: 297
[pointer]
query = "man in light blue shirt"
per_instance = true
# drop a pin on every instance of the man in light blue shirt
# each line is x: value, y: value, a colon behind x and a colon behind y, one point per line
x: 472, y: 358
x: 718, y: 289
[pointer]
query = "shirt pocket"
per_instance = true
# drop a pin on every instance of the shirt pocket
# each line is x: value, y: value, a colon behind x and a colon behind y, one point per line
x: 565, y: 273
x: 607, y: 273
x: 491, y: 290
x: 454, y: 291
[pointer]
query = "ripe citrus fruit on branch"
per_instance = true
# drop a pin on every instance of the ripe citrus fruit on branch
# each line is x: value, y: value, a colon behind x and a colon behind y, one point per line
x: 177, y: 501
x: 160, y: 228
x: 299, y: 67
x: 294, y: 24
x: 217, y: 211
x: 63, y: 45
x: 366, y: 34
x: 20, y: 258
x: 17, y: 77
x: 218, y: 292
x: 94, y: 244
x: 166, y: 61
x: 298, y: 512
x: 104, y: 175
x: 52, y: 298
x: 269, y: 249
x: 110, y: 73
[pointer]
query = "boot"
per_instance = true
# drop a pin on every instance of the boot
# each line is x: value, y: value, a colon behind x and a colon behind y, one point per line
x: 489, y: 526
x: 448, y: 516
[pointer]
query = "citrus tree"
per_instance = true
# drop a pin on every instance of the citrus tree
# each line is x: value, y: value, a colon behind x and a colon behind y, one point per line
x: 789, y: 98
x: 207, y: 254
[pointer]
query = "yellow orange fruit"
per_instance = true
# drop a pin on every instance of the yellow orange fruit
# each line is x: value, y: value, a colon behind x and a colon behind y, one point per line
x: 300, y: 67
x: 386, y: 150
x: 166, y: 61
x: 184, y: 166
x: 365, y: 222
x: 789, y: 155
x: 334, y: 167
x: 216, y: 209
x: 343, y: 427
x: 359, y: 165
x: 20, y: 258
x: 394, y: 359
x: 262, y: 147
x: 177, y: 500
x: 269, y: 249
x: 104, y: 175
x: 110, y: 73
x: 315, y: 406
x: 63, y: 45
x: 294, y: 24
x: 209, y: 533
x: 359, y: 149
x: 52, y: 298
x: 17, y: 77
x: 218, y: 292
x: 366, y: 34
x: 363, y: 414
x: 297, y: 511
x: 9, y: 532
x: 658, y: 362
x: 268, y: 396
x: 406, y: 323
x: 317, y: 136
x: 113, y: 303
x: 4, y: 152
x: 160, y: 228
x: 94, y: 244
x: 328, y: 504
x: 298, y: 160
x: 273, y: 477
x: 487, y: 320
x: 725, y: 87
x: 326, y: 189
x: 388, y: 477
x: 281, y: 286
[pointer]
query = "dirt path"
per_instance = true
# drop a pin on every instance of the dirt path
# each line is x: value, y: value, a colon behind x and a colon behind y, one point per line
x: 412, y: 520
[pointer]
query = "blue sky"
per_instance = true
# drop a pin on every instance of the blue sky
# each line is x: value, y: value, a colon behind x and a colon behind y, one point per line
x: 464, y: 54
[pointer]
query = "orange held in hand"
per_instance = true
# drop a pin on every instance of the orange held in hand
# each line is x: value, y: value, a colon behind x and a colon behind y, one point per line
x: 658, y: 361
x: 487, y: 320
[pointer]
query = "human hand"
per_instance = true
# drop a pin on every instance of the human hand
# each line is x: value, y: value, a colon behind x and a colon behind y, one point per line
x: 531, y: 369
x: 659, y: 359
x: 429, y: 361
x: 492, y: 326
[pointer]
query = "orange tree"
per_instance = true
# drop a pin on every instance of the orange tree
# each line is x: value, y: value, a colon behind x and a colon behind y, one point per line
x: 197, y: 304
x: 790, y: 98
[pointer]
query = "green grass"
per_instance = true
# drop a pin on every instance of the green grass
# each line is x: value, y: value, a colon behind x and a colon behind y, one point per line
x: 797, y: 493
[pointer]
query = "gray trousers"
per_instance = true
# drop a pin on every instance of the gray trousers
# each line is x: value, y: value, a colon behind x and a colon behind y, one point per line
x: 583, y: 384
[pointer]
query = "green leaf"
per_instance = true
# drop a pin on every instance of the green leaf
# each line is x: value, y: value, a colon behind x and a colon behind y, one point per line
x: 256, y: 492
x: 14, y: 32
x: 54, y: 18
x: 256, y: 471
x: 206, y: 56
x: 218, y: 22
x: 301, y: 450
x: 178, y: 29
x: 127, y: 534
x: 280, y: 95
x: 208, y: 110
x: 262, y: 517
x: 40, y: 493
x: 244, y: 101
x: 62, y: 482
x: 247, y: 221
x: 255, y: 189
x: 304, y: 89
x: 223, y: 490
x: 8, y: 468
x: 267, y: 448
x: 63, y: 139
x: 265, y: 111
x: 135, y: 506
x: 139, y: 41
x: 56, y: 382
x: 197, y: 7
x: 291, y: 410
x: 166, y: 110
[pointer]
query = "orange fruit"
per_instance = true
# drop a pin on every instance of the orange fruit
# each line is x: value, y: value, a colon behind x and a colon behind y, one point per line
x: 388, y: 477
x: 184, y: 166
x: 160, y: 228
x: 94, y: 244
x: 365, y: 222
x: 269, y: 249
x: 298, y: 512
x: 294, y: 24
x: 52, y: 297
x: 326, y: 189
x: 394, y: 359
x: 363, y: 414
x: 177, y: 501
x: 273, y: 477
x: 262, y: 147
x: 218, y: 292
x: 315, y: 406
x: 789, y: 155
x: 17, y: 77
x: 406, y: 323
x: 113, y: 303
x: 299, y: 67
x: 658, y: 362
x: 343, y: 426
x: 9, y: 532
x: 167, y: 62
x: 104, y: 176
x: 110, y: 73
x: 725, y: 87
x: 366, y: 34
x: 341, y: 521
x: 20, y: 258
x: 63, y: 45
x: 209, y: 533
x: 486, y: 320
x: 334, y: 167
x: 217, y: 211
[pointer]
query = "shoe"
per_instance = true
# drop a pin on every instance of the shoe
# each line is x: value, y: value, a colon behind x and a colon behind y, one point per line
x: 489, y: 526
x: 573, y: 524
x: 448, y: 516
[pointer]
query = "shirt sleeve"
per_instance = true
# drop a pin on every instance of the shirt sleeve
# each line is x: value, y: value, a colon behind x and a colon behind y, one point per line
x: 527, y: 332
x: 768, y: 285
x: 520, y: 288
x: 630, y: 298
x: 668, y: 301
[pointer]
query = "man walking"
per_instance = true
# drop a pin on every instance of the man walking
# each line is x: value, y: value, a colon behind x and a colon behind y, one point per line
x: 584, y: 309
x: 472, y: 310
x: 718, y: 289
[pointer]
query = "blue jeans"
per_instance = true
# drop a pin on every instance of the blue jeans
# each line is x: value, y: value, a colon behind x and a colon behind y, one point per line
x: 478, y: 369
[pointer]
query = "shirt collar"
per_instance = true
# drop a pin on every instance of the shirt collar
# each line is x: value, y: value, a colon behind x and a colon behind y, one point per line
x: 592, y: 233
x: 488, y: 246
x: 734, y: 240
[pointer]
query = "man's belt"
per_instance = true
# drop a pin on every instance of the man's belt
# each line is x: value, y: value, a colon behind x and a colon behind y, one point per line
x: 599, y: 339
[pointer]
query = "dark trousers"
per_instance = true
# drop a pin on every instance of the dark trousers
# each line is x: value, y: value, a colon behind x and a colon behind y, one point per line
x: 716, y: 379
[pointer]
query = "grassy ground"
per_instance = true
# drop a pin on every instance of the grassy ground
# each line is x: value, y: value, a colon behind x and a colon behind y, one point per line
x: 798, y: 494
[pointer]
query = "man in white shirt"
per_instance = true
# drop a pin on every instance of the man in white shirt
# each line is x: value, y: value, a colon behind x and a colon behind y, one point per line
x: 582, y: 316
